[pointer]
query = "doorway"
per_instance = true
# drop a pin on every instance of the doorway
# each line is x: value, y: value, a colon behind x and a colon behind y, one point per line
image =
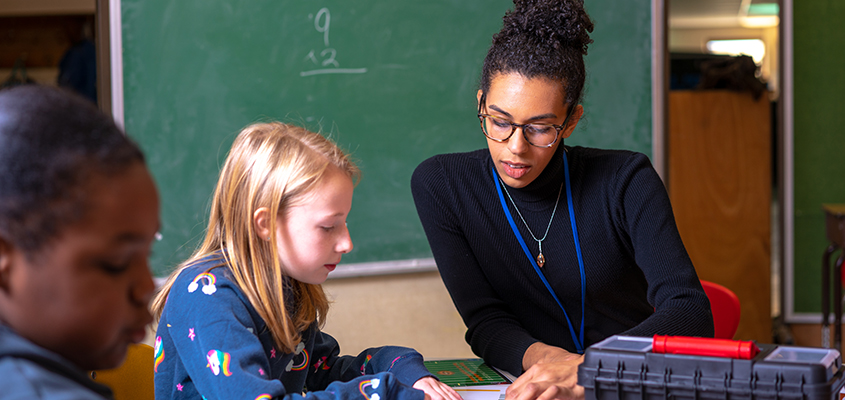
x: 57, y: 43
x: 722, y: 148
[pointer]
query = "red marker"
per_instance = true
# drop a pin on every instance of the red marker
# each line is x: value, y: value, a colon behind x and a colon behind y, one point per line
x: 744, y: 350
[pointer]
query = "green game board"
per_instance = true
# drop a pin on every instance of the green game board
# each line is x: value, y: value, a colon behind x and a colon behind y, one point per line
x: 465, y: 372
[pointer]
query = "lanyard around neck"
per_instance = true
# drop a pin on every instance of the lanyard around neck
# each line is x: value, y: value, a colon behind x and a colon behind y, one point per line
x: 579, y: 339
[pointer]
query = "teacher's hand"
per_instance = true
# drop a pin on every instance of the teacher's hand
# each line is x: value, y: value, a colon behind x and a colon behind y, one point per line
x: 436, y: 390
x: 551, y: 374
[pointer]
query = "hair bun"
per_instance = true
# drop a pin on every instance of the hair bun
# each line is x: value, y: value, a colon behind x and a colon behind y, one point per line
x: 555, y: 22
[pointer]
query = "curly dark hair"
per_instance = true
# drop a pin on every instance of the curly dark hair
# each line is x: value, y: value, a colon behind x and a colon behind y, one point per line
x: 52, y: 143
x: 542, y: 38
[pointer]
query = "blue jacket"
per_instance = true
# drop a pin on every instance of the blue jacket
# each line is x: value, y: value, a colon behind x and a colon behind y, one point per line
x: 212, y: 344
x: 31, y: 372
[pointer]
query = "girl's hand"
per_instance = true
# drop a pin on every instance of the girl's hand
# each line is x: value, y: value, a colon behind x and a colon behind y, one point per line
x: 436, y: 390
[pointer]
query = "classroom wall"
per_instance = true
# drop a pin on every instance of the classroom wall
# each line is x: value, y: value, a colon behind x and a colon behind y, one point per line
x: 818, y: 139
x: 412, y: 310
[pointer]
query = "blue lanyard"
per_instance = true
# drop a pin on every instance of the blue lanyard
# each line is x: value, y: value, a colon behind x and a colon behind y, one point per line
x: 579, y: 340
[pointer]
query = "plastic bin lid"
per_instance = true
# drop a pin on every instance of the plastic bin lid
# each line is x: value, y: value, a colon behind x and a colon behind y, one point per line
x: 626, y: 343
x: 804, y: 355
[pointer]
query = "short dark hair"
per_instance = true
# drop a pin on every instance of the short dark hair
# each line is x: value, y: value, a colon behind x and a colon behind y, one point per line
x: 542, y: 38
x: 52, y: 142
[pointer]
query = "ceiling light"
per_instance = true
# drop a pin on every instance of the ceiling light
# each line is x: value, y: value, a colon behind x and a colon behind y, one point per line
x: 750, y: 47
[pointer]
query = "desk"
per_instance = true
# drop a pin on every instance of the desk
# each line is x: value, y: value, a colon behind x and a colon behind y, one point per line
x: 835, y: 232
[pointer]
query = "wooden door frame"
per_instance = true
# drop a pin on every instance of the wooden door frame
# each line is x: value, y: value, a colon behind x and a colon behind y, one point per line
x: 109, y: 59
x: 786, y: 171
x: 101, y: 21
x: 660, y: 87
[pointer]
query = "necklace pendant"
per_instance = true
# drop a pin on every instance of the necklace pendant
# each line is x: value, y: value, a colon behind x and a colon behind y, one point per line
x: 541, y: 260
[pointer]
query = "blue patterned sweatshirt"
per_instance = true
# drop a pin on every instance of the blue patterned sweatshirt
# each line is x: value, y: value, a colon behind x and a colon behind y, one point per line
x: 212, y: 344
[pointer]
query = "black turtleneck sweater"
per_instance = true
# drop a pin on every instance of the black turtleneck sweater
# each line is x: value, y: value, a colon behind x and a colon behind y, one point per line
x: 639, y: 279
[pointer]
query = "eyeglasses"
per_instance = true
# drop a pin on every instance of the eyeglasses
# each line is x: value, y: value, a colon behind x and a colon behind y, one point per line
x: 500, y: 130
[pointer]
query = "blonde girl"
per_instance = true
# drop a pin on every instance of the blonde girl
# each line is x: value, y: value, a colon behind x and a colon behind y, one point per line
x: 240, y: 318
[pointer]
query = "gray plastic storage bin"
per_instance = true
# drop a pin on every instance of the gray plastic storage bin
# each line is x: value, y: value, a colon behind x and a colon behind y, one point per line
x: 624, y: 367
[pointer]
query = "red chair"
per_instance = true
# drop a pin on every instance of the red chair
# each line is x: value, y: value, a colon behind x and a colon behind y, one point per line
x: 725, y: 307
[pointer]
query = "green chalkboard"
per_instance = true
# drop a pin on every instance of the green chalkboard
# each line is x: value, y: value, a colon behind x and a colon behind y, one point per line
x: 819, y: 173
x: 393, y: 82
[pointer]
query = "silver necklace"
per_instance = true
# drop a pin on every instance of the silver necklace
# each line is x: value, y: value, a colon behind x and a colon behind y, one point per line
x: 540, y: 258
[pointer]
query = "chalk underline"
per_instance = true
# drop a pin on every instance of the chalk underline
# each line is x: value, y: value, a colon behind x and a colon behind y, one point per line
x: 334, y: 71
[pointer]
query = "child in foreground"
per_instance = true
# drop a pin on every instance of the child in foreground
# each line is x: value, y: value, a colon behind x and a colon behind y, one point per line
x: 78, y: 215
x: 240, y: 318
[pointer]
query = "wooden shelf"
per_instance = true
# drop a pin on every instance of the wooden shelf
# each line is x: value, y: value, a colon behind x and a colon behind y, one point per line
x: 17, y: 8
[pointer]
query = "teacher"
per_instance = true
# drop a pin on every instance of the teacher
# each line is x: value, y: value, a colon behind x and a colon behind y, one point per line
x: 546, y: 248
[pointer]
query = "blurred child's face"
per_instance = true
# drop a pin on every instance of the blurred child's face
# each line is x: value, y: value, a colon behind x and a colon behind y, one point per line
x: 312, y: 237
x: 85, y: 294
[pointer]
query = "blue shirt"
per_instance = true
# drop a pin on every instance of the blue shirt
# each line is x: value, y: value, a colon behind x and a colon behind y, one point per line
x: 28, y: 371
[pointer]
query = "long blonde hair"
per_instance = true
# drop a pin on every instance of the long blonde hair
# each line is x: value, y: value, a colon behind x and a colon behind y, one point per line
x: 272, y: 165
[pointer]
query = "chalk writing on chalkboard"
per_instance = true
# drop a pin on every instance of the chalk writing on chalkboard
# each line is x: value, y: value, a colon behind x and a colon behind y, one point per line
x: 327, y: 60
